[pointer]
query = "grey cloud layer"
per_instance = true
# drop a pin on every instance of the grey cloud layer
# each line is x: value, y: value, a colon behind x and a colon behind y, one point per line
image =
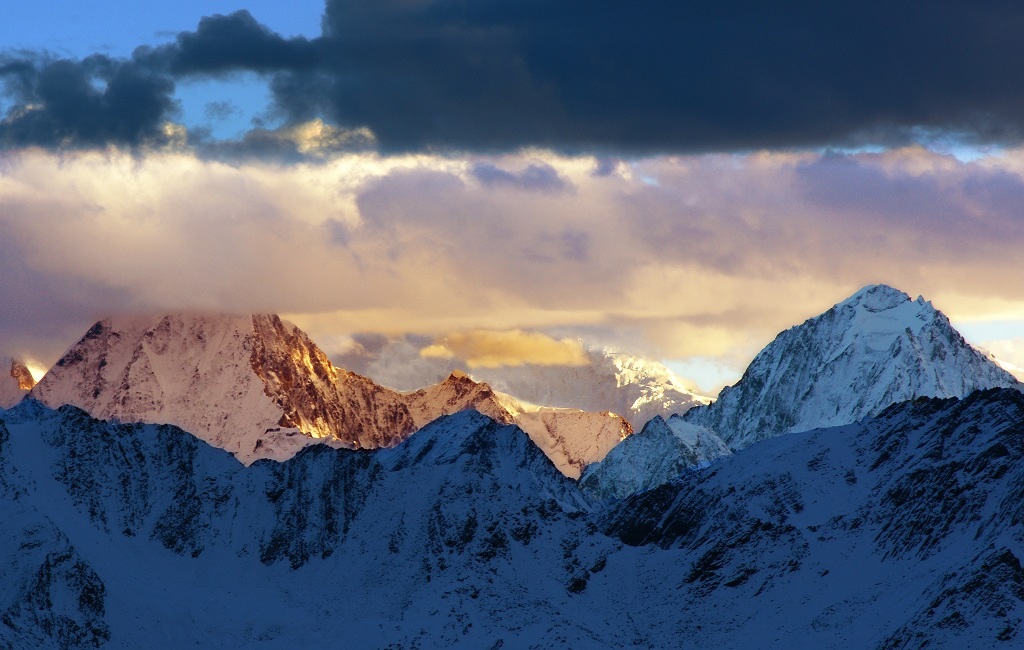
x: 655, y: 76
x: 676, y: 257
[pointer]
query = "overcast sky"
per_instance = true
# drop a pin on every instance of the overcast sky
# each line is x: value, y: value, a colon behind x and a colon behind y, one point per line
x: 679, y: 179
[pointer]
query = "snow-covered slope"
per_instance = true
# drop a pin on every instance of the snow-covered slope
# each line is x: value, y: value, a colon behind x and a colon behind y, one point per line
x: 465, y: 535
x: 637, y: 389
x: 901, y: 531
x: 258, y: 387
x: 462, y: 535
x: 15, y: 381
x: 876, y: 348
x: 659, y: 453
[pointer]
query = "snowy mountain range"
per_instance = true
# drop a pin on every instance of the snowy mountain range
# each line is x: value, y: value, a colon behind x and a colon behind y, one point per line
x: 879, y: 525
x: 874, y: 349
x: 638, y: 389
x: 258, y: 387
x: 120, y: 536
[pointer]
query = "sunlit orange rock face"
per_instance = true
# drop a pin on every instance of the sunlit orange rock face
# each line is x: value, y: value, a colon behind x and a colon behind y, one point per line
x: 21, y: 374
x: 319, y: 399
x: 15, y: 383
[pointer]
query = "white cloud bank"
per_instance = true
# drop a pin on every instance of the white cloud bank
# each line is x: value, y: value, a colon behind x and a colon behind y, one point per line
x: 675, y: 257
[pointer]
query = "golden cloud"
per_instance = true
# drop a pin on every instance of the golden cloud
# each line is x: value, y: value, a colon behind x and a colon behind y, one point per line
x: 492, y: 349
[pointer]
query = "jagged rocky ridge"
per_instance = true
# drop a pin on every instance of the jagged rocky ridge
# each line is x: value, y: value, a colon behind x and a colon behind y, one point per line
x: 467, y: 535
x: 260, y: 388
x: 874, y: 349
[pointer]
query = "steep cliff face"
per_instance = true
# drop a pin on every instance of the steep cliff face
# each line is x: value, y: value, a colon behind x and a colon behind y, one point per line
x: 49, y: 595
x: 874, y: 349
x: 320, y: 400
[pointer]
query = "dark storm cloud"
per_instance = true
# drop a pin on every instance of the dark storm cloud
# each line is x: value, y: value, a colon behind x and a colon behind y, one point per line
x: 88, y: 103
x: 224, y: 44
x: 99, y: 100
x: 655, y: 76
x: 664, y: 75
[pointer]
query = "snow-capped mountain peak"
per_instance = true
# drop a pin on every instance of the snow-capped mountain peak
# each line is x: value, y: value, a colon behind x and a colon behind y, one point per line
x: 251, y: 384
x: 873, y: 349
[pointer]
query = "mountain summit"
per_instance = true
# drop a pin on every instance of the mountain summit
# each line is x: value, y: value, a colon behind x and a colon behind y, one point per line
x: 876, y: 348
x: 253, y: 385
x: 258, y: 387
